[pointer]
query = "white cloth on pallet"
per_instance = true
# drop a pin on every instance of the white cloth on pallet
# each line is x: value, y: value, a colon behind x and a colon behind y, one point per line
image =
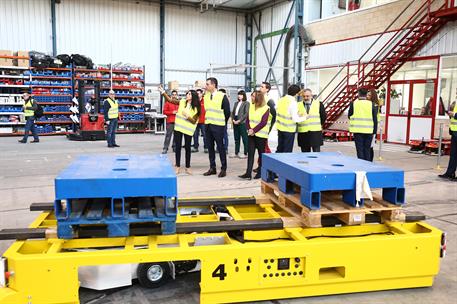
x: 362, y: 187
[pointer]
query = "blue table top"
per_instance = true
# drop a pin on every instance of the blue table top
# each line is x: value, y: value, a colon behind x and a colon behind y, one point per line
x: 92, y: 176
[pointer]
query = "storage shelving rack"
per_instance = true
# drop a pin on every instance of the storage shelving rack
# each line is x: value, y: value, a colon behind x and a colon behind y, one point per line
x: 12, y: 79
x: 128, y: 85
x: 52, y: 88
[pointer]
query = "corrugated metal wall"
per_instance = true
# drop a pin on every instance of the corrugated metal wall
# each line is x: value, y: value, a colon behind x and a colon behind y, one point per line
x: 25, y: 25
x: 194, y: 40
x: 110, y: 31
x: 128, y: 31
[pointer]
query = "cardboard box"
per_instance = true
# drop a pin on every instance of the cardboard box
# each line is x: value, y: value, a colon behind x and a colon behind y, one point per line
x: 21, y: 62
x: 6, y: 61
x: 173, y: 85
x: 200, y: 84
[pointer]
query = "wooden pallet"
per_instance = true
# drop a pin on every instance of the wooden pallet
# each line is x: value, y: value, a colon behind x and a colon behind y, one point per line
x: 331, y: 206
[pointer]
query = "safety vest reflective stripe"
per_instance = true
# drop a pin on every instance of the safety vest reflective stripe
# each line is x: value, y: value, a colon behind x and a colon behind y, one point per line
x: 181, y: 123
x: 28, y: 113
x: 214, y: 114
x: 114, y: 109
x: 284, y: 116
x: 284, y: 120
x: 313, y: 122
x: 362, y: 119
x: 285, y: 124
x: 453, y: 122
x: 255, y: 117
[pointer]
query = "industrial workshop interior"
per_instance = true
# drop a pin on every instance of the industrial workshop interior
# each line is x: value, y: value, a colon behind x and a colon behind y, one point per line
x: 228, y: 151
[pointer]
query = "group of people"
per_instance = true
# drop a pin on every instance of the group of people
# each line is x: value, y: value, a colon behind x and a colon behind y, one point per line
x: 209, y: 112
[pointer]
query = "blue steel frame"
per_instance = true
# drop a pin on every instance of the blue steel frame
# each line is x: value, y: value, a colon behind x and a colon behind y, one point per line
x: 248, y: 85
x: 53, y: 26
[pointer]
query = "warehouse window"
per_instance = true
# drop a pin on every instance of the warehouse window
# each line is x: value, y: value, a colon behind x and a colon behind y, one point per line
x: 330, y: 8
x: 448, y: 87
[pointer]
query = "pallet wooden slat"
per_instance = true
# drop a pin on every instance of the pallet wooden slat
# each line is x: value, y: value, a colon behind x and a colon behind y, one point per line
x: 331, y: 206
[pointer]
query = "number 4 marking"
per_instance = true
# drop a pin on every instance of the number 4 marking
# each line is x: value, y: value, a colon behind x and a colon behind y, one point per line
x: 219, y: 272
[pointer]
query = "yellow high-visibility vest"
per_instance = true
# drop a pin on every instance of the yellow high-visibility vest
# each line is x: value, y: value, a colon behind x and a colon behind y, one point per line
x: 214, y: 114
x: 453, y: 122
x: 313, y: 122
x: 362, y: 119
x: 181, y: 123
x: 255, y: 116
x: 284, y: 121
x: 114, y: 109
x: 29, y: 113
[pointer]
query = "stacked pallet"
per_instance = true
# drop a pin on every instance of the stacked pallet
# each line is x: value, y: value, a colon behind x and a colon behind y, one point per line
x: 313, y: 186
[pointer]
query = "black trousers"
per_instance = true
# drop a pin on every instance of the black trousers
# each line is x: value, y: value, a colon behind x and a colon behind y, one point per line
x: 254, y: 143
x: 178, y: 146
x: 451, y: 167
x: 363, y: 145
x: 215, y: 134
x: 305, y: 143
x: 285, y: 142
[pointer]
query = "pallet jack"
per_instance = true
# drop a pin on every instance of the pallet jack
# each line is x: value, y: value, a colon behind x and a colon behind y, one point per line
x: 91, y: 121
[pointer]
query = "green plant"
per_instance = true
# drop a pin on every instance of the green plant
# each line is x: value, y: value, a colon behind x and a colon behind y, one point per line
x: 393, y: 93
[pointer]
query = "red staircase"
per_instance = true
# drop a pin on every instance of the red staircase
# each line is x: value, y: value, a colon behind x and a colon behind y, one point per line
x: 402, y: 45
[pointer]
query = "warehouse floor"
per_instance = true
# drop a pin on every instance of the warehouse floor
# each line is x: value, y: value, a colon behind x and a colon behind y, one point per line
x: 28, y: 172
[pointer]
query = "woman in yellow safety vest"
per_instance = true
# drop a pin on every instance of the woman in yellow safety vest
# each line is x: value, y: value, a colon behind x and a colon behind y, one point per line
x: 258, y: 125
x: 185, y: 124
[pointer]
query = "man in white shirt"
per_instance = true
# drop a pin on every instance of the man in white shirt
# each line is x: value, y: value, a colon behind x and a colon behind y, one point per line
x: 287, y: 119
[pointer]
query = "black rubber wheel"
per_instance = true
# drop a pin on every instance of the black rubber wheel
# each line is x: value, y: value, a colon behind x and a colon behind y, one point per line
x: 153, y: 275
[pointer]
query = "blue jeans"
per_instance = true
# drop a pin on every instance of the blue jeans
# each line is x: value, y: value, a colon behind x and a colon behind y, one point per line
x: 200, y: 127
x: 111, y: 132
x: 285, y: 142
x: 30, y: 126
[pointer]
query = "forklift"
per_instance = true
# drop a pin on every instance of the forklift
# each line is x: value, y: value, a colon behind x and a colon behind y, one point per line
x: 91, y: 121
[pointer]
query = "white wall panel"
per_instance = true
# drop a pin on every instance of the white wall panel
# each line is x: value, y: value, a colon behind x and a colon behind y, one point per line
x: 445, y: 42
x: 111, y: 31
x: 25, y: 25
x: 193, y: 40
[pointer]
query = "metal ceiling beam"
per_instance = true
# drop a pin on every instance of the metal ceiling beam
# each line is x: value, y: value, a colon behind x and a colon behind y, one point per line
x: 196, y: 5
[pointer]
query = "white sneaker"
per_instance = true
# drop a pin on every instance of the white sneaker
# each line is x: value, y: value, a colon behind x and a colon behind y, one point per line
x: 234, y: 156
x: 242, y: 156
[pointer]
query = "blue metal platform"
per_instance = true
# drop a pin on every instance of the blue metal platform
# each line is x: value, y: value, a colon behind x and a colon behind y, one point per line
x: 116, y: 191
x: 328, y: 171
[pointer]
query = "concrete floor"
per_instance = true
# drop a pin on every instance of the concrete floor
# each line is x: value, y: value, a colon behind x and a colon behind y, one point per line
x: 27, y: 173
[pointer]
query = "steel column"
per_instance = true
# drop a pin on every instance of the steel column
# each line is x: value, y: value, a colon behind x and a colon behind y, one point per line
x: 162, y: 46
x: 298, y: 44
x: 53, y: 27
x: 248, y: 52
